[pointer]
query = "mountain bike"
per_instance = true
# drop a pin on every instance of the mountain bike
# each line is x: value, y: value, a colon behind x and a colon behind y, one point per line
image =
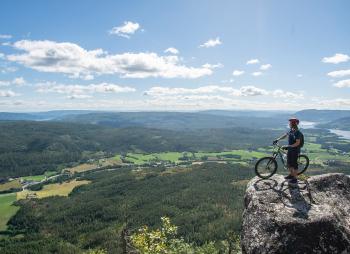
x: 267, y: 166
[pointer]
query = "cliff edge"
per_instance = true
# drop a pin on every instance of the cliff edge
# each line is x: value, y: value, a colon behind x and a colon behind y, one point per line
x: 312, y: 216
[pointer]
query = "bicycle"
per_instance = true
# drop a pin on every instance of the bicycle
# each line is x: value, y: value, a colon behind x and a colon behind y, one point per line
x: 267, y: 166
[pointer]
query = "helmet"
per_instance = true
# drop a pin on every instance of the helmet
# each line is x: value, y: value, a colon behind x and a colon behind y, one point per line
x: 294, y: 120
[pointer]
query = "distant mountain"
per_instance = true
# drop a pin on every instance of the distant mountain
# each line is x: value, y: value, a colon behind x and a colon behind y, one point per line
x: 248, y: 113
x: 40, y: 116
x: 322, y: 116
x: 175, y: 120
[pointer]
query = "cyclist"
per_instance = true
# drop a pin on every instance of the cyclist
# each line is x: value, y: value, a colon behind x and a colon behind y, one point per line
x: 293, y: 147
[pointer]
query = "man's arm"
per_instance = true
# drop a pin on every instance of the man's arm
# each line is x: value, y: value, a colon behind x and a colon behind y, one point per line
x: 297, y: 143
x: 282, y: 137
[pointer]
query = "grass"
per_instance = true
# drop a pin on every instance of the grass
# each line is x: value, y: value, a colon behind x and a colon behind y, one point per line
x: 15, y: 184
x: 55, y: 189
x: 83, y: 167
x: 7, y: 209
x: 39, y: 178
x: 139, y: 158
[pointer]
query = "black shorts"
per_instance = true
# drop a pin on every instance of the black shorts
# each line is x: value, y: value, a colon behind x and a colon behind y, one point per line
x: 292, y: 158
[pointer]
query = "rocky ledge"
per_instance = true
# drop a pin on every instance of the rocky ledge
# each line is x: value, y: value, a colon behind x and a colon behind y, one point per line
x: 312, y: 216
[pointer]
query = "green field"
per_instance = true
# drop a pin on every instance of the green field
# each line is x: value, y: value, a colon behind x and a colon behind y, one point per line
x: 15, y: 184
x: 242, y: 156
x: 55, y: 189
x: 38, y: 178
x: 7, y: 210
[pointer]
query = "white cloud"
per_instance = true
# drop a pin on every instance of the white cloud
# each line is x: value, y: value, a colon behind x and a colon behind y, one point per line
x: 339, y: 74
x: 288, y: 95
x: 7, y: 93
x: 343, y: 83
x: 299, y: 75
x: 160, y: 91
x: 212, y: 66
x: 5, y: 36
x: 253, y: 61
x: 81, y: 91
x: 172, y: 51
x: 2, y: 55
x: 71, y: 59
x: 337, y: 58
x: 257, y: 73
x: 237, y: 73
x: 249, y: 91
x: 265, y: 67
x: 18, y: 81
x: 4, y: 83
x: 126, y: 29
x: 213, y: 90
x: 78, y: 96
x: 211, y: 43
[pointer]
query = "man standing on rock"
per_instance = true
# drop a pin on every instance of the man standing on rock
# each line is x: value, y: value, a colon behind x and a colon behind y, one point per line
x: 295, y: 141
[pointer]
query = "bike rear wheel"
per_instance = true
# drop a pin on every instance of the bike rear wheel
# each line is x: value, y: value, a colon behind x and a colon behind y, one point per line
x: 303, y: 163
x: 266, y: 167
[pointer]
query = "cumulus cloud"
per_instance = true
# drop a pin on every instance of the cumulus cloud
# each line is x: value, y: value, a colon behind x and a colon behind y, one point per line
x: 339, y: 74
x: 211, y: 43
x: 18, y: 81
x: 160, y: 91
x: 337, y: 58
x: 249, y: 91
x: 81, y: 91
x: 75, y: 61
x: 265, y: 67
x: 7, y: 93
x: 171, y: 51
x: 5, y: 36
x: 257, y: 73
x: 237, y: 73
x: 287, y: 95
x: 4, y: 83
x: 253, y: 61
x: 125, y: 30
x: 342, y: 83
x: 212, y: 66
x: 244, y: 91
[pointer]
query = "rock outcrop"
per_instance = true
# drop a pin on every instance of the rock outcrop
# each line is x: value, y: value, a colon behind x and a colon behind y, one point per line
x: 312, y: 216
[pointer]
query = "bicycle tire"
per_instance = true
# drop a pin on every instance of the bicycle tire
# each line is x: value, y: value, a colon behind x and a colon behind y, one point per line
x: 270, y: 160
x: 306, y: 164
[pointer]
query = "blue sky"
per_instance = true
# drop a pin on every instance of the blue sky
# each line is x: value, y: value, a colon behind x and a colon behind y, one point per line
x: 174, y: 55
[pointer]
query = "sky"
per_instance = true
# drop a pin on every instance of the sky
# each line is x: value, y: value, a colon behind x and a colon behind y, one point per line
x: 174, y: 55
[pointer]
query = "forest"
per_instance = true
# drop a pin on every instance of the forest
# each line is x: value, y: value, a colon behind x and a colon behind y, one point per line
x: 205, y: 202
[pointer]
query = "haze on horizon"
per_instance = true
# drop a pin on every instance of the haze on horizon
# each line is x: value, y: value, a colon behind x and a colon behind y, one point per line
x: 174, y: 56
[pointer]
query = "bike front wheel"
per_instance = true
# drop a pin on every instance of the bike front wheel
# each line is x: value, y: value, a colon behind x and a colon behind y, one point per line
x: 303, y: 163
x: 266, y: 167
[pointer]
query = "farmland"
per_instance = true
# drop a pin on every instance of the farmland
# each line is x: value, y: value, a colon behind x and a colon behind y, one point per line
x: 7, y: 209
x: 56, y: 189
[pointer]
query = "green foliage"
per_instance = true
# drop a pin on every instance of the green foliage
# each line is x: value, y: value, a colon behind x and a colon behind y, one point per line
x: 165, y: 240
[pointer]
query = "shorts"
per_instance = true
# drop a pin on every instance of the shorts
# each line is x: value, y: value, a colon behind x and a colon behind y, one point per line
x: 292, y: 158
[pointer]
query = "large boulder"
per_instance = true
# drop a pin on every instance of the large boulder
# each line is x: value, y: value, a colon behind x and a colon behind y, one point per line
x: 312, y: 216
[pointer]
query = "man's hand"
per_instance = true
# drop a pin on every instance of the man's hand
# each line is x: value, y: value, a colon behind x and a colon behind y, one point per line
x: 275, y: 142
x: 285, y: 147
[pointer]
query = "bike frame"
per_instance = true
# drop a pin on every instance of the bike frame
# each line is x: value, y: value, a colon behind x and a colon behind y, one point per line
x: 280, y: 153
